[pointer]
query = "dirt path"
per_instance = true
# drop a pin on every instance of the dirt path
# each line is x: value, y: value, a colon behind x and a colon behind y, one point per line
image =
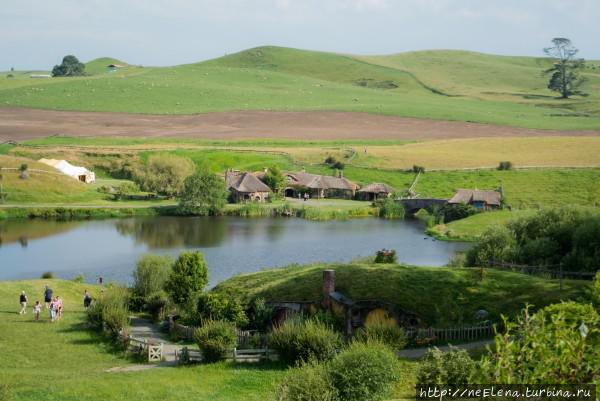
x: 21, y: 123
x: 144, y: 329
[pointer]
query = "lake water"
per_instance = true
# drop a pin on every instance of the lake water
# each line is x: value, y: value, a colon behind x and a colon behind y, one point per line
x: 110, y: 248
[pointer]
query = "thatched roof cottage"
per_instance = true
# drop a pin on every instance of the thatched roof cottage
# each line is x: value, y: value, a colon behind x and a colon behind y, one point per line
x: 244, y: 187
x: 484, y: 200
x: 376, y: 191
x: 319, y: 186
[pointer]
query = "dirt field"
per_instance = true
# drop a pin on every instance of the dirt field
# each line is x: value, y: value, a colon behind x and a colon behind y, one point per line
x: 20, y: 124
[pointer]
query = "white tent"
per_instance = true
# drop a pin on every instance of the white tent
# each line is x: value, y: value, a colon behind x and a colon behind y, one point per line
x: 79, y: 173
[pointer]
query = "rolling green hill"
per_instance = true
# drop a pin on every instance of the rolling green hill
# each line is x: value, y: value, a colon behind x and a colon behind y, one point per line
x: 452, y: 85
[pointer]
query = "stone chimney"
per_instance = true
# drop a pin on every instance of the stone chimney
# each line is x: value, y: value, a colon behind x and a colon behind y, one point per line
x: 328, y: 286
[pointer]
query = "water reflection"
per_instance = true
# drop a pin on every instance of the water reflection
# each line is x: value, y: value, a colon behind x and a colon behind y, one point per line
x: 172, y: 232
x: 231, y: 246
x: 22, y: 231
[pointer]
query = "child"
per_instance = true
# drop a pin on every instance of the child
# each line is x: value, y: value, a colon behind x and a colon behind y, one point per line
x: 59, y: 308
x: 36, y: 310
x: 53, y: 306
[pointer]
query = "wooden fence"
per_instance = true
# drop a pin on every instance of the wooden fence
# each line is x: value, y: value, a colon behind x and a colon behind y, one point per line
x: 245, y: 338
x: 153, y: 351
x: 433, y: 335
x: 548, y: 271
x: 187, y: 355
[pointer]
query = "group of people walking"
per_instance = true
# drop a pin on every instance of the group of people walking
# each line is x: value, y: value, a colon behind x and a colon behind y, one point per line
x: 53, y: 304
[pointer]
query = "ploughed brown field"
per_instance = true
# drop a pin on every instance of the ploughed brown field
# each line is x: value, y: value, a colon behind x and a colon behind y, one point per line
x: 22, y: 123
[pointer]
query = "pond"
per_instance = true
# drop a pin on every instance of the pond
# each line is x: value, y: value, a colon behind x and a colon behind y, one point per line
x: 110, y: 248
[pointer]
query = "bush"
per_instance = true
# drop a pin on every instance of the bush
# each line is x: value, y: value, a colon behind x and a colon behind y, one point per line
x: 156, y: 305
x: 110, y: 311
x: 80, y: 278
x: 453, y: 367
x: 386, y: 333
x: 215, y: 339
x: 457, y: 211
x: 187, y: 278
x: 495, y: 244
x: 364, y: 372
x: 505, y: 165
x: 165, y: 174
x: 338, y: 165
x: 418, y: 169
x: 212, y: 306
x: 261, y: 315
x: 298, y: 340
x: 309, y: 382
x: 559, y: 344
x: 386, y: 256
x: 274, y: 179
x: 48, y: 275
x: 596, y: 291
x: 390, y: 209
x: 150, y: 275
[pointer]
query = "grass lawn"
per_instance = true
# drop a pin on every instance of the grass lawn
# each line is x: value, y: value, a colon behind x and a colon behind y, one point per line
x: 63, y: 361
x: 461, y: 86
x: 470, y: 228
x: 440, y: 296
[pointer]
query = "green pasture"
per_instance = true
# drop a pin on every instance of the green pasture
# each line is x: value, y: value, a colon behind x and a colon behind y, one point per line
x: 445, y: 85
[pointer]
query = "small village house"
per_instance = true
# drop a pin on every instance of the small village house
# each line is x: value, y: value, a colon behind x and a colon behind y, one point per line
x: 79, y: 173
x: 319, y: 186
x: 375, y: 191
x: 245, y: 187
x: 479, y: 199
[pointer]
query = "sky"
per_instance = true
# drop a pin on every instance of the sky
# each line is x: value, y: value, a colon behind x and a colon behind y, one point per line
x: 36, y: 34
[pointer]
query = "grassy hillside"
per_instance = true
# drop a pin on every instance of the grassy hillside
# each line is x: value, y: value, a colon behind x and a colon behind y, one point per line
x: 63, y: 361
x: 440, y: 296
x: 440, y: 84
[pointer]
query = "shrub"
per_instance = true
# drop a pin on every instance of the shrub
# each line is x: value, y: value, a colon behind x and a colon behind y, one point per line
x: 214, y: 306
x: 48, y: 275
x: 187, y: 278
x: 150, y: 275
x: 156, y: 305
x: 496, y: 243
x: 110, y: 311
x: 418, y: 169
x: 452, y: 367
x: 165, y: 174
x: 215, y: 339
x: 364, y: 372
x: 309, y: 382
x: 330, y: 160
x: 457, y: 211
x: 261, y: 315
x: 298, y: 340
x: 596, y: 291
x: 390, y: 209
x: 559, y: 344
x: 386, y: 333
x: 338, y: 165
x: 505, y: 165
x: 80, y: 278
x: 386, y: 256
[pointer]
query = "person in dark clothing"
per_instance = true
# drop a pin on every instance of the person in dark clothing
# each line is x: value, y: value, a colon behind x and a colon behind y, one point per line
x: 48, y: 296
x: 23, y: 302
x: 87, y: 299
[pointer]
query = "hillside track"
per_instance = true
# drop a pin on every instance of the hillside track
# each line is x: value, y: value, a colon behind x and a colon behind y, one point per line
x: 17, y: 124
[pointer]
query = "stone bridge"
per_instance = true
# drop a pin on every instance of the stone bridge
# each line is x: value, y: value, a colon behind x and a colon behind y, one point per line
x: 412, y: 206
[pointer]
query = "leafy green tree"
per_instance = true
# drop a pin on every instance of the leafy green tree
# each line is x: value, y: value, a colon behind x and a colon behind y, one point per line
x: 187, y: 278
x: 560, y: 344
x: 165, y: 174
x: 564, y: 77
x: 203, y: 194
x: 274, y: 179
x: 496, y: 243
x: 151, y: 274
x: 221, y: 307
x: 70, y: 67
